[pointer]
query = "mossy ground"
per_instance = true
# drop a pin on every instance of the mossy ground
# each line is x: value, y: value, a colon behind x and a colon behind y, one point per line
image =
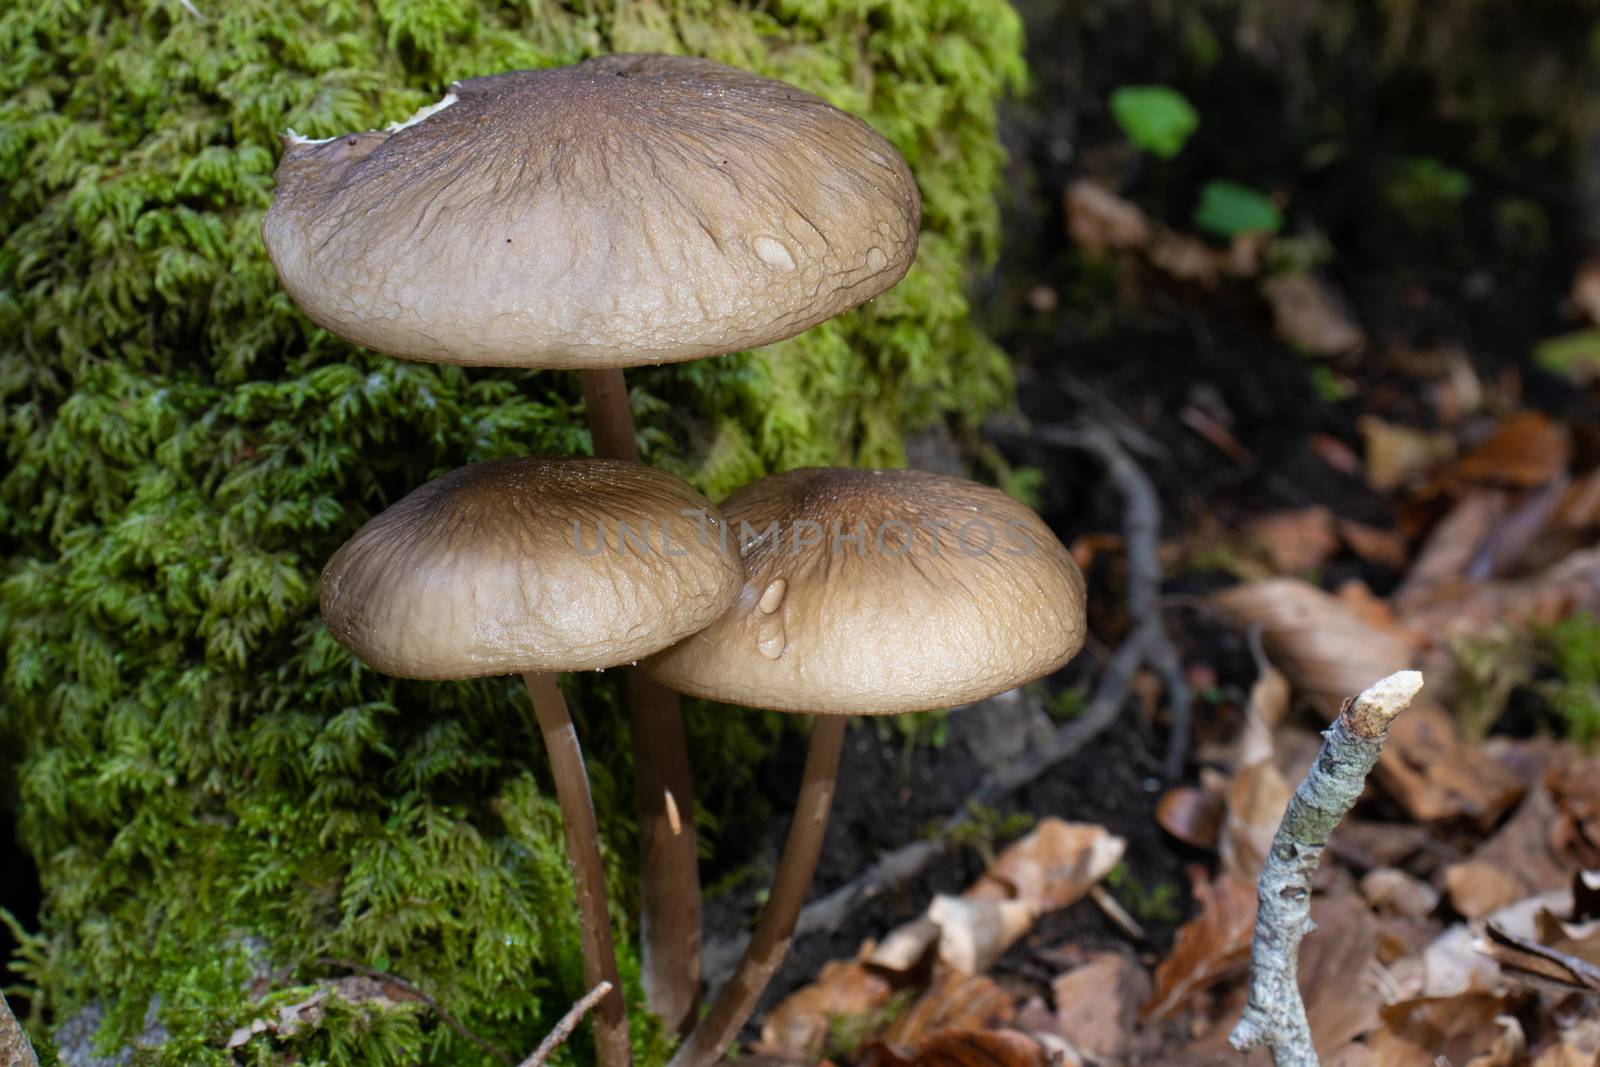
x: 222, y: 804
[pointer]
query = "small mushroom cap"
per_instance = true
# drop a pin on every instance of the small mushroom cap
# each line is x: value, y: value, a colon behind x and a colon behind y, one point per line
x: 498, y: 568
x: 630, y: 209
x: 878, y: 592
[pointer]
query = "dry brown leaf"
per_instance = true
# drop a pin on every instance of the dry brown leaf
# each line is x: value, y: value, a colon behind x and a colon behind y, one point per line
x: 1186, y: 259
x: 1310, y: 316
x: 1213, y: 945
x: 1577, y: 1046
x: 1465, y: 608
x: 974, y: 933
x: 1394, y: 892
x: 1098, y: 220
x: 1574, y: 784
x: 1295, y: 541
x: 1191, y: 815
x: 1053, y: 866
x: 1338, y: 972
x: 980, y: 1048
x: 1397, y: 455
x: 1097, y: 1004
x: 1386, y: 548
x: 1256, y: 805
x: 1336, y: 454
x: 1527, y: 449
x: 1415, y: 1032
x: 844, y: 989
x: 906, y: 947
x: 955, y: 1001
x: 1517, y: 861
x: 1330, y: 654
x: 1508, y: 1049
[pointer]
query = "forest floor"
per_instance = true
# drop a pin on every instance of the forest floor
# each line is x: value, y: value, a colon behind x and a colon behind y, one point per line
x: 1366, y: 455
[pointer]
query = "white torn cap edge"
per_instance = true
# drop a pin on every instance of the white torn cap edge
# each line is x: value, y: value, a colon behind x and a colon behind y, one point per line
x: 293, y: 138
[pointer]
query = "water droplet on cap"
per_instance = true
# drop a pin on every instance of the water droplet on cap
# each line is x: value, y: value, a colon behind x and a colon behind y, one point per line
x: 772, y: 596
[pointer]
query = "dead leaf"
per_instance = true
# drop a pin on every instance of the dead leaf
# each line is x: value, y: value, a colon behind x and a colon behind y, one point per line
x: 1397, y: 455
x: 844, y: 989
x: 1098, y: 220
x: 1330, y: 654
x: 1307, y: 314
x: 1577, y: 1046
x: 1097, y: 1004
x: 1053, y: 866
x: 1191, y: 815
x: 955, y: 1001
x: 1574, y: 784
x: 1336, y: 454
x: 1295, y: 541
x: 980, y: 1048
x: 1394, y: 892
x: 1185, y: 259
x: 1213, y: 945
x: 1517, y: 861
x: 974, y: 933
x: 1526, y: 450
x: 1256, y: 804
x: 1338, y: 973
x: 1386, y: 548
x: 1416, y: 1032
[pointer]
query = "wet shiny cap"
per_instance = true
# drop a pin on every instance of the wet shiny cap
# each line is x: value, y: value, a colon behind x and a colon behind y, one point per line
x: 878, y: 592
x: 530, y: 565
x: 630, y: 209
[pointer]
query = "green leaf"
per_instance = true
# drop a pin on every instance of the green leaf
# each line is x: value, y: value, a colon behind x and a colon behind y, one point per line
x: 1155, y: 118
x: 1573, y: 355
x: 1229, y: 209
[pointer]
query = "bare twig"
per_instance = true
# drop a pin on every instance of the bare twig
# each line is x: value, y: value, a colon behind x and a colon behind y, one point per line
x: 1275, y: 1016
x: 411, y: 989
x: 15, y: 1048
x: 1142, y: 537
x: 569, y: 1022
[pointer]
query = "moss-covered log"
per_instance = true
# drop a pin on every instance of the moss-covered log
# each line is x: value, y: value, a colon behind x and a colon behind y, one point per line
x: 225, y: 808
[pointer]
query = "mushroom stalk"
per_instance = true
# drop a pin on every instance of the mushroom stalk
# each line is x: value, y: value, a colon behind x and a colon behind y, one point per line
x: 588, y: 871
x: 736, y: 1000
x: 669, y: 921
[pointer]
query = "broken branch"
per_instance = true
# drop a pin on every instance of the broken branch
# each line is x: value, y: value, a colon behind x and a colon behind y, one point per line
x: 1275, y: 1015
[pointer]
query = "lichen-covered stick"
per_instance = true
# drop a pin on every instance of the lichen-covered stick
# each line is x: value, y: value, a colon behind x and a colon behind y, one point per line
x: 15, y: 1049
x: 1275, y: 1015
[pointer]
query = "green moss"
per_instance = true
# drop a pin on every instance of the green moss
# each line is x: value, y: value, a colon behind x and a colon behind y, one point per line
x: 212, y: 789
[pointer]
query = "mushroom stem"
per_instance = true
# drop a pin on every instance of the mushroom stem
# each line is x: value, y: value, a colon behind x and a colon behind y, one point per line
x: 669, y: 920
x: 588, y: 871
x: 736, y: 1000
x: 605, y: 400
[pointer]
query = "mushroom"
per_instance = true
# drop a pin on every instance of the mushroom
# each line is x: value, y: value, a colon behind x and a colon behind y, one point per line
x: 628, y: 210
x: 867, y: 593
x: 536, y: 566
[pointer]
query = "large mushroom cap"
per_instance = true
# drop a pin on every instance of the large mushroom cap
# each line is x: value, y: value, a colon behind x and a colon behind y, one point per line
x: 630, y: 209
x: 873, y: 592
x: 499, y: 568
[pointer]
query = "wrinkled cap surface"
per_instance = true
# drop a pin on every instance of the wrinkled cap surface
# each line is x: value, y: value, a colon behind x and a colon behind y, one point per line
x: 630, y: 209
x: 874, y: 592
x: 530, y: 565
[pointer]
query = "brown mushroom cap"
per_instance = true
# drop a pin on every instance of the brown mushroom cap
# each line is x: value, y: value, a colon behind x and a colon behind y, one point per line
x: 953, y: 593
x: 630, y: 209
x: 498, y: 568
